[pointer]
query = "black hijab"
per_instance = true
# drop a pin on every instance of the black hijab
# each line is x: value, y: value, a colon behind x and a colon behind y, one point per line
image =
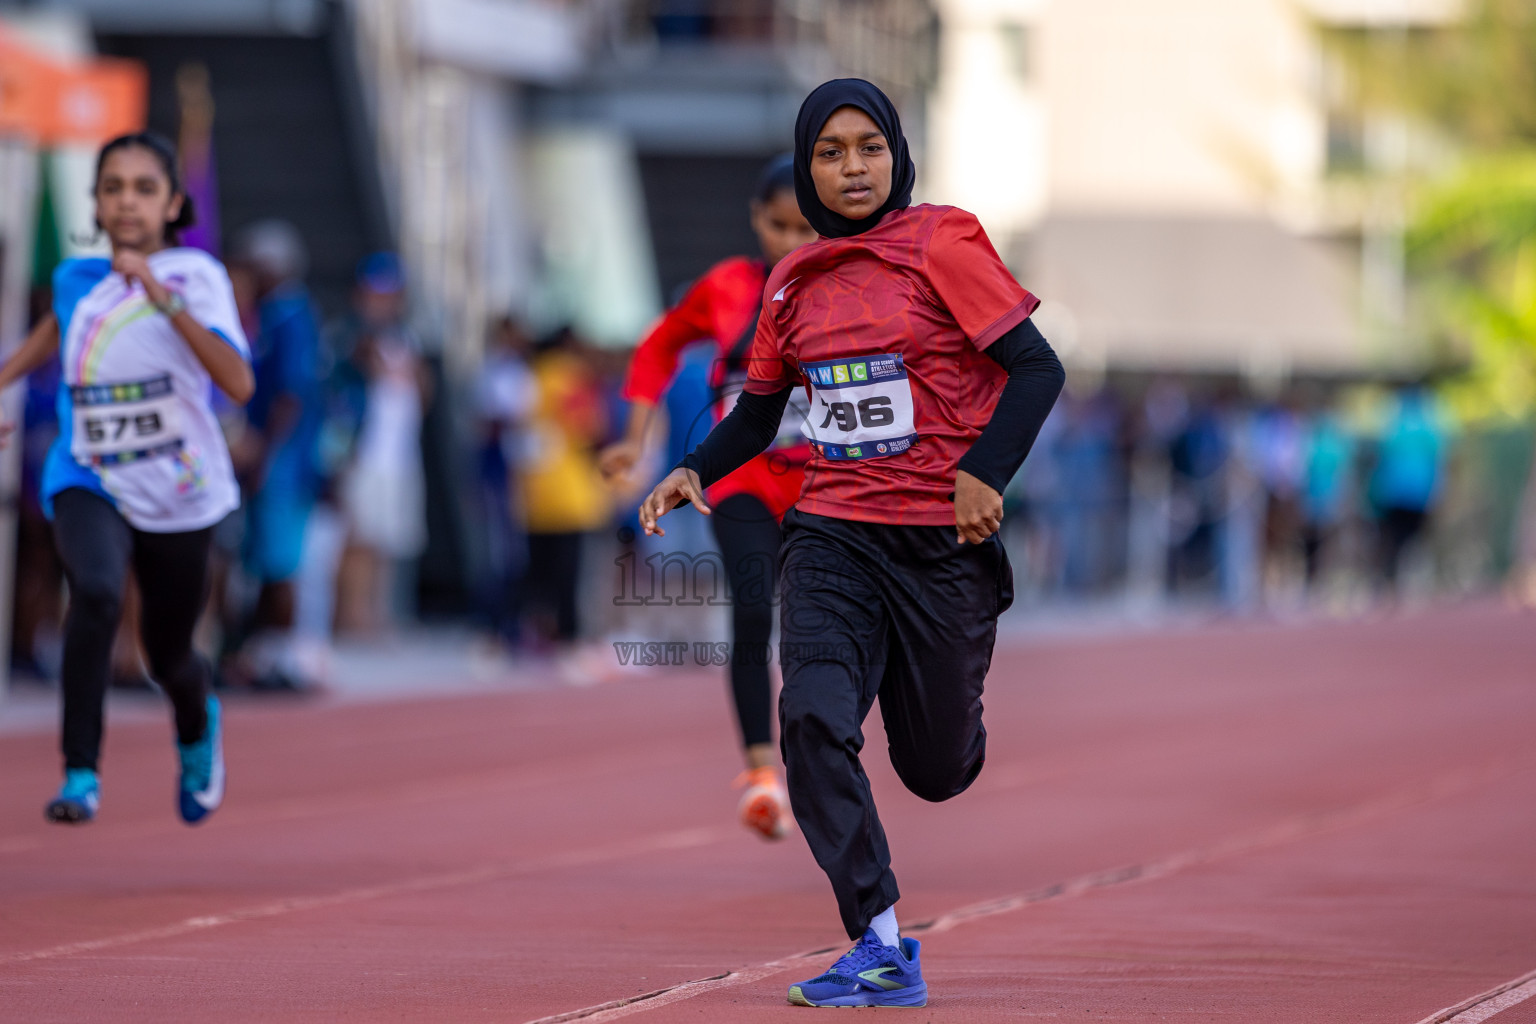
x: 820, y: 105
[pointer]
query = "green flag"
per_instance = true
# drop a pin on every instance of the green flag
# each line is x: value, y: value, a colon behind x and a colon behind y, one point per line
x: 47, y: 247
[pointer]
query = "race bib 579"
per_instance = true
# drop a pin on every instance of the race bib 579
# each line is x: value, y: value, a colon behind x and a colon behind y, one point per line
x: 860, y: 408
x: 117, y: 423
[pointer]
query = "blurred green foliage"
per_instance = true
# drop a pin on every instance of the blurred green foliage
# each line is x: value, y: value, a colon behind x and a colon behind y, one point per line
x: 1471, y: 242
x: 1472, y: 247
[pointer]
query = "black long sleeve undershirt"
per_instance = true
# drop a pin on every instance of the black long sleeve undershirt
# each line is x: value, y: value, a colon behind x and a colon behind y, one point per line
x: 745, y: 433
x: 1035, y: 378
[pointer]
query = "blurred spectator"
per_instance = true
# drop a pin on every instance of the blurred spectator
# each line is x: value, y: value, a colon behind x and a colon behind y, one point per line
x: 1278, y: 450
x: 284, y: 418
x: 505, y: 395
x: 1085, y: 507
x: 1239, y: 529
x: 1330, y: 457
x: 39, y: 597
x: 564, y: 496
x: 1406, y: 478
x: 223, y: 626
x: 1028, y: 518
x: 1198, y: 457
x: 384, y: 387
x: 1164, y: 409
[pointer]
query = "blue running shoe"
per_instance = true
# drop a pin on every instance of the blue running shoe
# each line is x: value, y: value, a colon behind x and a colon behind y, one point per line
x: 202, y: 769
x: 78, y: 799
x: 869, y: 974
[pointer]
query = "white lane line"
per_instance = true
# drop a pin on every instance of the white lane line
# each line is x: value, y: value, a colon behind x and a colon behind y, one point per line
x: 1484, y: 1005
x: 677, y: 993
x: 1290, y: 830
x: 453, y: 787
x: 665, y: 841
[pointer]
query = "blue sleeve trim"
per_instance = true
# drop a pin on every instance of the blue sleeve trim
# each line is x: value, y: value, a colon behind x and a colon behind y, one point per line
x: 73, y: 281
x: 228, y: 341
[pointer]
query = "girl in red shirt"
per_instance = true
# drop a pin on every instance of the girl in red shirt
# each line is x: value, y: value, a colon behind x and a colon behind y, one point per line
x: 723, y: 306
x: 927, y: 384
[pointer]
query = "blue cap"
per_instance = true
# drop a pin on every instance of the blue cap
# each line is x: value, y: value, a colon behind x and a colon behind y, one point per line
x: 381, y: 272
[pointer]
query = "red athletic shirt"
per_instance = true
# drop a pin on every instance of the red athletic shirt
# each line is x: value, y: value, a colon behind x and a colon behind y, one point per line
x: 887, y: 331
x: 720, y: 307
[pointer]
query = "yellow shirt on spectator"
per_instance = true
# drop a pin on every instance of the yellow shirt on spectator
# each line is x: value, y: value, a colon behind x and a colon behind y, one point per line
x: 563, y: 491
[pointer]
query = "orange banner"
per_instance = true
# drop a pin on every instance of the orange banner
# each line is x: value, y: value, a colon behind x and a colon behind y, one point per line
x: 53, y: 101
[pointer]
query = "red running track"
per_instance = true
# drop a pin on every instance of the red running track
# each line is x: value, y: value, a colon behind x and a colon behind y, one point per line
x: 1332, y: 823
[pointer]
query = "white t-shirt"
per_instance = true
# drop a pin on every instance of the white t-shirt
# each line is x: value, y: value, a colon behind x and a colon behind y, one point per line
x: 136, y: 422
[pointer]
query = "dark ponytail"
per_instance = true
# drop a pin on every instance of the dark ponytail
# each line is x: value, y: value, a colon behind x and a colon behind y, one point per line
x: 165, y: 153
x: 185, y: 219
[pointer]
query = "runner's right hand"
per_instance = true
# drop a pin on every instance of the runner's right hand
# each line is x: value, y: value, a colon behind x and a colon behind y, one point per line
x: 7, y: 428
x: 678, y: 486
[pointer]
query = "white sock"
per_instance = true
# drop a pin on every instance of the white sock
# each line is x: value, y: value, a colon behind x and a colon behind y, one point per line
x: 884, y: 925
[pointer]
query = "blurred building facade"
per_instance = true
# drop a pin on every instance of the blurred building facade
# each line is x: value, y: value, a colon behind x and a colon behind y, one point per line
x: 486, y: 138
x: 588, y: 158
x: 1187, y: 184
x: 1166, y: 176
x: 567, y: 163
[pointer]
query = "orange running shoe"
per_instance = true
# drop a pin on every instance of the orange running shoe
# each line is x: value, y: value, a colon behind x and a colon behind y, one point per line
x: 764, y: 807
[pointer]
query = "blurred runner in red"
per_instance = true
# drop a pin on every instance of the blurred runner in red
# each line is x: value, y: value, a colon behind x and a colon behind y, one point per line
x: 928, y: 384
x: 723, y: 306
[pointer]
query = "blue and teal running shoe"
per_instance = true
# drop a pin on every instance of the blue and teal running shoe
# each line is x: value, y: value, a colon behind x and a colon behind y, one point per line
x: 202, y: 769
x: 78, y: 798
x: 869, y: 974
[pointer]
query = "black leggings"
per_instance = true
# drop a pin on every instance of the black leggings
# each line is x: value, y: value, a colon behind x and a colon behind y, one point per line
x: 96, y: 545
x: 554, y: 576
x: 749, y: 539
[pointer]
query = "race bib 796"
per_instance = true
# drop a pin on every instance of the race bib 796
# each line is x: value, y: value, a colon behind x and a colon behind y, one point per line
x: 861, y: 408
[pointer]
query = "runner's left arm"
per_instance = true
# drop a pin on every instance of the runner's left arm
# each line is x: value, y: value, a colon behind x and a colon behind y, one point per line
x: 745, y: 433
x: 1035, y: 379
x: 739, y: 438
x: 748, y: 431
x: 227, y: 367
x: 753, y: 423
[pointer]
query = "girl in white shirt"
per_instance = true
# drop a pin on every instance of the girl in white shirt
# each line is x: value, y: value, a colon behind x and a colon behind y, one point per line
x: 140, y: 473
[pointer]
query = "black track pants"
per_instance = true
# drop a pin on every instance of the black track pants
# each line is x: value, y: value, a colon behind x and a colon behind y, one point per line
x: 96, y: 545
x: 749, y: 538
x: 903, y: 613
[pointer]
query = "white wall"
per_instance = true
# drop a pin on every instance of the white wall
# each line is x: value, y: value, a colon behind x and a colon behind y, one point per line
x: 599, y: 266
x: 1131, y: 135
x: 1186, y: 106
x: 988, y: 131
x: 1202, y: 107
